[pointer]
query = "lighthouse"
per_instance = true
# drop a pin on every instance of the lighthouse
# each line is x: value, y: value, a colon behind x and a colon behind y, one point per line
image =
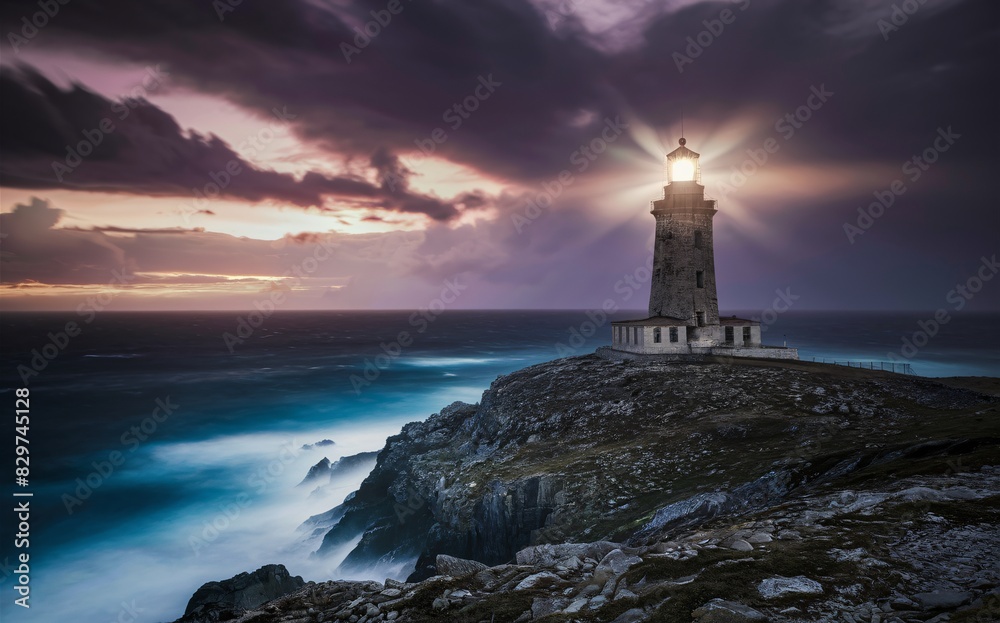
x: 683, y: 283
x: 683, y: 316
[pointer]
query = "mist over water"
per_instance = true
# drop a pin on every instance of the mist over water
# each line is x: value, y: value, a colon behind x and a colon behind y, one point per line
x: 209, y: 489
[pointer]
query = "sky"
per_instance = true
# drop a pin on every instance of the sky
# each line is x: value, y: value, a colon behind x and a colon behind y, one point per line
x: 338, y: 154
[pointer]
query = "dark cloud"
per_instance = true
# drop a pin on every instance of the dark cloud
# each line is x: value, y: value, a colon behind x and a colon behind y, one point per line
x: 390, y: 95
x: 79, y: 140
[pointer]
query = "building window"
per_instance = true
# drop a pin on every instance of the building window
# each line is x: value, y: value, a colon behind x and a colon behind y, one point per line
x: 626, y: 334
x: 699, y: 278
x: 701, y: 318
x: 746, y: 335
x: 729, y: 335
x: 635, y: 334
x: 697, y: 239
x: 657, y: 335
x: 673, y: 334
x: 618, y: 335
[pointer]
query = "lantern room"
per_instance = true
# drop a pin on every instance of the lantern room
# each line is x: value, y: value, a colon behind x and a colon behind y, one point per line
x: 682, y: 165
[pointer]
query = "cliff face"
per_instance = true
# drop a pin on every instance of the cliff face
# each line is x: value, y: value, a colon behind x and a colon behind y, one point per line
x: 229, y: 599
x: 586, y: 449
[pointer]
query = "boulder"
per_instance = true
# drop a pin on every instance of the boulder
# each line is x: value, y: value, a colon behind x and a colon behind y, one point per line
x: 614, y: 564
x: 551, y: 555
x: 457, y: 567
x: 220, y: 601
x: 537, y: 579
x: 944, y: 599
x: 779, y: 586
x: 722, y: 611
x: 635, y: 615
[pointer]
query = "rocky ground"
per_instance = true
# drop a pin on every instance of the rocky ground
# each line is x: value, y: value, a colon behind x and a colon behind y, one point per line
x: 710, y: 492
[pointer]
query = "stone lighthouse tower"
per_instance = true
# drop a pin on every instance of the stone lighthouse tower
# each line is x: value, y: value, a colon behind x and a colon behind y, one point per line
x: 683, y: 320
x: 683, y: 283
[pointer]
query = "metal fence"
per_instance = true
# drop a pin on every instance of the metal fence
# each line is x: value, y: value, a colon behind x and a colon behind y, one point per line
x: 887, y: 366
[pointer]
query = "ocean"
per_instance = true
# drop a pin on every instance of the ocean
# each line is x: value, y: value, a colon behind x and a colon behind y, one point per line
x: 165, y: 448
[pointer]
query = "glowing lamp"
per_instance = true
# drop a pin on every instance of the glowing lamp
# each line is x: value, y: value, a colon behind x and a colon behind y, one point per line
x: 682, y: 165
x: 682, y: 170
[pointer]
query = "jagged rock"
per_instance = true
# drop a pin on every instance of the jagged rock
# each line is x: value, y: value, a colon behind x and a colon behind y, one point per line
x: 221, y: 601
x: 772, y: 588
x: 542, y: 606
x: 457, y: 567
x: 624, y: 593
x: 536, y: 579
x: 551, y: 555
x: 721, y: 611
x: 572, y: 563
x: 319, y: 471
x: 615, y: 563
x: 323, y: 443
x: 939, y: 600
x: 689, y: 512
x: 576, y: 606
x: 635, y: 615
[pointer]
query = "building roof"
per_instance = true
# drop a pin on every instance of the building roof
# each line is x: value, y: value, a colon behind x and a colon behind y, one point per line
x: 733, y: 320
x: 652, y: 321
x: 683, y: 152
x: 668, y: 321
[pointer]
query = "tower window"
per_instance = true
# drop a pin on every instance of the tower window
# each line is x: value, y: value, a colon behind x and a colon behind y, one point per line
x: 699, y: 278
x: 701, y: 318
x: 657, y: 335
x: 697, y: 239
x: 657, y: 274
x: 673, y: 334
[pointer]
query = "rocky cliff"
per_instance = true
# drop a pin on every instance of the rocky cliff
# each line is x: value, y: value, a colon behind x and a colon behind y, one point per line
x: 726, y: 491
x: 229, y: 599
x: 589, y: 449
